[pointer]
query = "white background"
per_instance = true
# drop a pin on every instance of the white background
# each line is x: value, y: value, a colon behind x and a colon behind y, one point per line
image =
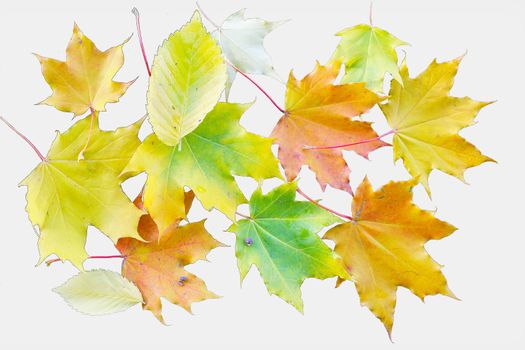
x: 483, y: 259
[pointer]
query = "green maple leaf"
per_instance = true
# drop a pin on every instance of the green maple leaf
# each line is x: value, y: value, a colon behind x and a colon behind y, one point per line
x: 368, y: 53
x: 65, y: 195
x: 206, y: 161
x: 281, y: 240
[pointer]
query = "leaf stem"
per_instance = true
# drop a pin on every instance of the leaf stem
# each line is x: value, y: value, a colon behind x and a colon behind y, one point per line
x: 244, y: 216
x: 352, y: 143
x: 39, y: 154
x: 282, y: 110
x: 206, y: 16
x: 139, y: 32
x: 370, y: 13
x: 49, y: 262
x: 81, y: 154
x: 322, y: 206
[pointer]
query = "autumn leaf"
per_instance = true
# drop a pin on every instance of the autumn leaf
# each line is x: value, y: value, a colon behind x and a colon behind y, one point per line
x: 368, y: 53
x: 99, y: 292
x: 383, y: 247
x: 426, y: 121
x: 241, y: 40
x: 157, y: 266
x: 85, y: 79
x: 206, y: 162
x: 187, y: 78
x: 280, y: 240
x: 65, y: 195
x: 319, y: 113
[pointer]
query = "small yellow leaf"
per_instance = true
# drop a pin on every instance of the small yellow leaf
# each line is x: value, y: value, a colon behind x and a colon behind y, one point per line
x: 85, y: 79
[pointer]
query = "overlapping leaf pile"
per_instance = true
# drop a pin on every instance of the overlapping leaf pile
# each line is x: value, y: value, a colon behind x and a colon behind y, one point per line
x: 198, y: 147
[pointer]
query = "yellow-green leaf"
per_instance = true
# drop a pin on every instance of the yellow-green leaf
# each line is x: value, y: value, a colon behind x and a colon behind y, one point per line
x: 206, y: 162
x: 66, y: 195
x: 85, y: 79
x: 281, y: 240
x: 187, y: 78
x: 427, y: 120
x: 368, y: 54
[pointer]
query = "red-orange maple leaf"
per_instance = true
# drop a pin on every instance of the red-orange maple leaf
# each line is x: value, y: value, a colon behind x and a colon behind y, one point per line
x: 157, y: 266
x: 319, y: 113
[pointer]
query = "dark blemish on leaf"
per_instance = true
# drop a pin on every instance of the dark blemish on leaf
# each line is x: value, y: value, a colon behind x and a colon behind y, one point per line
x: 182, y: 279
x: 248, y: 241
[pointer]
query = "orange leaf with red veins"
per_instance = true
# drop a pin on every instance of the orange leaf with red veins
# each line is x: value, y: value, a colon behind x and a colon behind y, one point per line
x: 383, y: 247
x: 319, y: 113
x: 157, y: 266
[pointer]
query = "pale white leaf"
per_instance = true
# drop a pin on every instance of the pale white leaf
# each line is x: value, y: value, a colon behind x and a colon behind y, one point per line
x: 99, y: 292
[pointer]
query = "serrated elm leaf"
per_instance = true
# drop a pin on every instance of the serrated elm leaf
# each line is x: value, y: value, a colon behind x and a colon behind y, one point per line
x: 188, y: 76
x: 99, y: 292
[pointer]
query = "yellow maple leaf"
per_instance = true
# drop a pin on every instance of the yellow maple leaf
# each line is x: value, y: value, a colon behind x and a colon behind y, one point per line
x: 85, y: 79
x: 426, y: 121
x: 66, y: 195
x: 383, y: 247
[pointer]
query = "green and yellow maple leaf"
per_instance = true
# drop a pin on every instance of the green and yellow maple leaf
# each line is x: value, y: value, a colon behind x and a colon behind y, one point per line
x: 65, y: 195
x: 319, y: 113
x: 157, y: 266
x: 426, y: 121
x: 205, y: 161
x: 187, y: 78
x: 383, y: 247
x: 368, y: 53
x: 85, y: 79
x: 281, y: 240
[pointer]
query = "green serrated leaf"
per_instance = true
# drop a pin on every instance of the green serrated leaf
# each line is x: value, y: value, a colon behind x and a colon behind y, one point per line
x: 99, y: 292
x: 281, y: 240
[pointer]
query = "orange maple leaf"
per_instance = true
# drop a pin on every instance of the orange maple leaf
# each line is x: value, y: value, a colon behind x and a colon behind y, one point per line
x: 383, y: 247
x: 157, y: 266
x: 319, y: 113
